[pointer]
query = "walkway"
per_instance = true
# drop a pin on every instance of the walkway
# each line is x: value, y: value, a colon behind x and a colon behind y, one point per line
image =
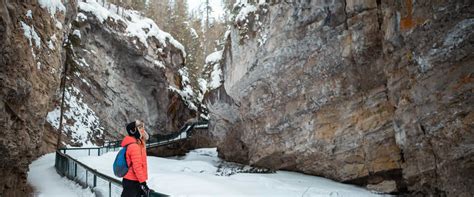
x: 47, y: 183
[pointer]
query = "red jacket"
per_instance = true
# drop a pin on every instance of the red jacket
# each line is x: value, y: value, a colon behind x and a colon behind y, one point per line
x: 136, y: 160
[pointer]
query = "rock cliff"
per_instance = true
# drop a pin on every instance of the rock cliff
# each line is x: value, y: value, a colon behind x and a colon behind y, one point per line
x: 117, y: 65
x: 122, y: 67
x: 376, y: 93
x: 31, y: 37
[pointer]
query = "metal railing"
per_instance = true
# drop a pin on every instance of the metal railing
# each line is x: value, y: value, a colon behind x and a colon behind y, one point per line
x: 103, y: 184
x: 163, y: 140
x: 183, y: 133
x: 90, y: 151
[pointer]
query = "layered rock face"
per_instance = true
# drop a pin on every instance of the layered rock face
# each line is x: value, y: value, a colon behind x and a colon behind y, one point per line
x: 121, y: 68
x: 118, y: 68
x: 31, y: 60
x: 376, y: 93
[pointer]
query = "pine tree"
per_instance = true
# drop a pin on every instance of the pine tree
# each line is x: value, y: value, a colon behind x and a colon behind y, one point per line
x: 159, y: 11
x: 228, y: 6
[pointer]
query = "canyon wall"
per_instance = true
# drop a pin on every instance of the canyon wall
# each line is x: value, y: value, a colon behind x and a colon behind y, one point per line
x: 376, y: 93
x: 31, y: 37
x: 117, y: 66
x: 122, y: 67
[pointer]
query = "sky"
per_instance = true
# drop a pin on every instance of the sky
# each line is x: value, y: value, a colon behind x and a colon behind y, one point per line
x: 217, y: 7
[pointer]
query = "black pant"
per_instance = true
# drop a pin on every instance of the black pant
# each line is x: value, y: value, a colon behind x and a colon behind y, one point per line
x: 131, y: 189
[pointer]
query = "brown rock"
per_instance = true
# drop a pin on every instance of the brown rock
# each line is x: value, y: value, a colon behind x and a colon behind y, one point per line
x: 29, y: 75
x: 119, y: 80
x: 368, y: 92
x: 384, y: 186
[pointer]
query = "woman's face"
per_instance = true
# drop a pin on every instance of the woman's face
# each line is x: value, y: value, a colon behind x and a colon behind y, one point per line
x: 141, y: 128
x: 143, y: 133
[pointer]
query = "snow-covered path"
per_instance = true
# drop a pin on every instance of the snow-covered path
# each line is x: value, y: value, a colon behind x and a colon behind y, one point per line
x: 195, y: 175
x: 47, y: 183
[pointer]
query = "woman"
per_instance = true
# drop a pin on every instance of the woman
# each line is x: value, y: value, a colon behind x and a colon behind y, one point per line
x: 134, y: 182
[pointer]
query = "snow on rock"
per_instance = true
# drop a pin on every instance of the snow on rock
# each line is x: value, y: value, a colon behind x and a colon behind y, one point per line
x: 51, y: 42
x: 202, y: 85
x: 186, y: 93
x: 50, y: 45
x: 263, y: 39
x: 85, y: 121
x: 98, y: 11
x: 53, y: 117
x: 261, y: 2
x: 81, y: 17
x: 227, y: 34
x: 185, y: 80
x: 216, y: 77
x: 214, y: 80
x: 136, y: 25
x: 246, y: 10
x: 77, y: 33
x: 59, y: 25
x: 30, y: 34
x: 82, y: 62
x: 143, y: 28
x: 158, y: 63
x: 216, y: 73
x: 247, y: 24
x: 52, y: 6
x: 78, y: 75
x: 194, y: 33
x: 29, y: 14
x: 214, y: 57
x: 204, y: 116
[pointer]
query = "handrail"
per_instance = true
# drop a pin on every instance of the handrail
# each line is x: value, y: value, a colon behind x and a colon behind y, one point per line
x: 104, y: 176
x: 161, y: 140
x: 63, y: 168
x: 80, y: 148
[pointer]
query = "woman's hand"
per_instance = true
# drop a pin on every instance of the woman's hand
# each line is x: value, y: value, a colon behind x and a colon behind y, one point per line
x: 145, y: 189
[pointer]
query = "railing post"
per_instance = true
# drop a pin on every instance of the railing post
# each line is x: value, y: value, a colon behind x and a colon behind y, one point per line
x: 110, y: 189
x: 89, y: 154
x: 56, y: 161
x: 87, y: 177
x: 95, y: 180
x: 98, y: 152
x: 75, y: 170
x: 67, y: 169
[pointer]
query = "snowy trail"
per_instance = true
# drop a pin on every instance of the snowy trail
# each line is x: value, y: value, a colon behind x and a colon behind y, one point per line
x: 195, y: 175
x: 47, y: 183
x: 192, y: 175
